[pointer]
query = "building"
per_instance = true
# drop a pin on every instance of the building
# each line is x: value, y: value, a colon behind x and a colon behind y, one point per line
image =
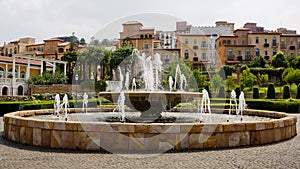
x: 198, y: 45
x: 289, y: 42
x: 136, y: 36
x: 16, y: 47
x: 16, y: 70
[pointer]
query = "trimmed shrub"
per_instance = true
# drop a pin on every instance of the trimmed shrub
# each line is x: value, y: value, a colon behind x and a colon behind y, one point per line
x: 271, y: 91
x: 255, y: 93
x: 298, y: 92
x: 286, y: 92
x: 222, y: 92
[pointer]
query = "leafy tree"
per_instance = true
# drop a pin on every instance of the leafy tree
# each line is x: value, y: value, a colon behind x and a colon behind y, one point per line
x: 106, y: 42
x: 200, y: 79
x: 286, y: 72
x: 230, y: 84
x: 258, y: 61
x: 216, y: 82
x: 70, y: 57
x: 292, y: 61
x: 279, y: 60
x: 298, y: 92
x: 82, y: 42
x: 247, y: 79
x: 262, y: 79
x: 94, y: 42
x: 293, y: 77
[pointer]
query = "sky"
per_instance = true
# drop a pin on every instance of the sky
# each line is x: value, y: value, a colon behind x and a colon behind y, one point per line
x: 43, y: 19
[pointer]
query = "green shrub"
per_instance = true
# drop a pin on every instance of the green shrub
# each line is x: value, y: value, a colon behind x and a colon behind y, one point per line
x: 286, y: 92
x: 222, y: 92
x: 298, y: 92
x: 255, y: 93
x: 100, y: 86
x: 271, y: 91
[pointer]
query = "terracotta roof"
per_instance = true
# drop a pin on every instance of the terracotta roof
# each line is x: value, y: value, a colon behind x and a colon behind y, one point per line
x: 22, y: 61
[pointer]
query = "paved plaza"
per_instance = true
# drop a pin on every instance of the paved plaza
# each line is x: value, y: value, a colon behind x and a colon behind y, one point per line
x: 279, y: 155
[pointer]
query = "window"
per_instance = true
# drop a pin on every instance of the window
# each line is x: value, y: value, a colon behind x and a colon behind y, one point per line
x: 230, y: 55
x: 240, y: 53
x: 16, y: 50
x: 266, y: 41
x: 291, y: 42
x: 203, y: 68
x: 203, y: 43
x: 20, y: 90
x: 22, y: 74
x: 257, y: 40
x: 167, y: 58
x: 234, y: 42
x: 186, y: 54
x: 298, y: 42
x: 243, y: 42
x: 146, y: 45
x: 282, y: 43
x: 195, y: 41
x: 248, y: 54
x: 186, y: 41
x: 274, y: 52
x: 175, y: 55
x: 195, y: 55
x: 60, y: 50
x: 274, y: 41
x: 142, y: 36
x: 150, y: 36
x: 257, y: 52
x: 203, y: 57
x: 266, y: 53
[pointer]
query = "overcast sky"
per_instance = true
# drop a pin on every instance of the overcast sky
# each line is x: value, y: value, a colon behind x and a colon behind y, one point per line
x: 44, y: 19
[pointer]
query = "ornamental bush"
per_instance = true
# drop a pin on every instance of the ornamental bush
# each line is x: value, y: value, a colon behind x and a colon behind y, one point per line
x: 271, y: 91
x: 222, y: 92
x: 255, y: 93
x: 286, y: 92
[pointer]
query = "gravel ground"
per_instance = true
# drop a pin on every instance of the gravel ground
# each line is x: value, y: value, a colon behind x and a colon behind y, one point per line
x: 279, y: 155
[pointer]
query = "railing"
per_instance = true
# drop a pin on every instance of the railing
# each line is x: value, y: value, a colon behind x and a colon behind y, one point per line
x: 5, y: 80
x: 292, y: 47
x: 275, y: 44
x: 266, y: 45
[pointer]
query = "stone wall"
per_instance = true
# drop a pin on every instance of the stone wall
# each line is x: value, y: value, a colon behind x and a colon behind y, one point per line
x: 116, y: 137
x: 56, y: 88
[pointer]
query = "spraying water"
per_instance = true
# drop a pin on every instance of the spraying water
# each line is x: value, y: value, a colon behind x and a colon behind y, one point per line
x: 242, y: 105
x: 205, y: 104
x: 85, y: 102
x: 121, y: 106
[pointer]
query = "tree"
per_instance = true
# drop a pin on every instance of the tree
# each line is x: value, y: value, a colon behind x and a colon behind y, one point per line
x: 82, y: 42
x: 286, y: 72
x: 70, y: 57
x: 200, y: 79
x: 271, y: 91
x: 279, y: 60
x: 262, y: 79
x: 230, y: 84
x: 258, y: 61
x: 247, y: 79
x: 216, y: 82
x: 292, y: 59
x: 293, y: 77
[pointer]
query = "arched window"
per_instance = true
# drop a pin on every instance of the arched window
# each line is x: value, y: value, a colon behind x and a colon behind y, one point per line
x: 142, y: 36
x: 16, y: 50
x: 230, y: 54
x: 150, y: 36
x: 146, y: 45
x: 257, y: 52
x: 22, y: 74
x: 274, y: 52
x: 146, y: 36
x: 229, y: 42
x: 60, y: 50
x: 20, y: 90
x: 186, y: 54
x: 10, y: 75
x: 4, y: 91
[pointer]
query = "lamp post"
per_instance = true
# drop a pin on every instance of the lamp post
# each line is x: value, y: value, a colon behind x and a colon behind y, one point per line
x: 76, y: 79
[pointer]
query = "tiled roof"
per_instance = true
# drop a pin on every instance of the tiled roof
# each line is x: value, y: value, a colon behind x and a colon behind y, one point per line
x: 22, y: 61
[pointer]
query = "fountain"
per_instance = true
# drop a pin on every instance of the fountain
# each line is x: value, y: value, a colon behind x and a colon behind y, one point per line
x: 137, y: 128
x: 85, y: 102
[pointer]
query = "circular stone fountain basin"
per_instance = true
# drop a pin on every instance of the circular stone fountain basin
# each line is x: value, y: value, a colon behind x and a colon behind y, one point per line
x: 23, y: 128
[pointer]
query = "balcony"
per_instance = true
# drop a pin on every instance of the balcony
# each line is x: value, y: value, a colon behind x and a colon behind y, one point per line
x: 292, y: 47
x: 283, y: 46
x: 195, y: 59
x: 267, y: 57
x: 195, y: 47
x: 266, y: 45
x: 231, y: 57
x: 275, y: 45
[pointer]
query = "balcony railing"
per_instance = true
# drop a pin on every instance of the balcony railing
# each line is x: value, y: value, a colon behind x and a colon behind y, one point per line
x: 195, y: 47
x: 292, y: 47
x: 267, y: 57
x: 266, y: 45
x: 240, y: 58
x: 283, y: 46
x: 231, y: 57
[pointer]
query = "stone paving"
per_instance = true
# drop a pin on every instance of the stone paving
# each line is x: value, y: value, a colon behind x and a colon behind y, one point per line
x: 279, y: 155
